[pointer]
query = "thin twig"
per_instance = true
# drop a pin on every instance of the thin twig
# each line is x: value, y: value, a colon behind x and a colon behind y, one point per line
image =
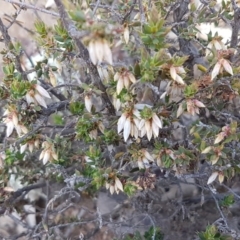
x: 230, y: 190
x: 96, y: 7
x: 141, y: 12
x: 46, y: 86
x: 20, y: 25
x: 16, y: 220
x: 29, y: 6
x: 110, y: 10
x: 218, y: 207
x: 129, y: 12
x: 64, y: 85
x: 14, y: 19
x: 154, y: 226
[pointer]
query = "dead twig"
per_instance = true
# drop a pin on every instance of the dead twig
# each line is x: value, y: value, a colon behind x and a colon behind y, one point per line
x: 29, y: 6
x: 218, y: 207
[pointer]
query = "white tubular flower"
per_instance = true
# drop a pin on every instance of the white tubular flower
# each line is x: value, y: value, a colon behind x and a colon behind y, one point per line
x: 100, y: 51
x: 105, y: 73
x: 21, y: 129
x: 175, y: 71
x: 150, y: 125
x: 200, y: 34
x: 90, y: 161
x: 174, y: 90
x: 115, y: 187
x: 30, y: 144
x: 10, y: 126
x: 52, y: 78
x: 116, y: 102
x: 226, y: 131
x: 212, y: 178
x: 127, y: 129
x: 88, y: 102
x: 49, y: 3
x: 2, y: 158
x: 193, y: 106
x: 215, y: 43
x: 48, y: 153
x: 126, y: 33
x: 124, y: 79
x: 12, y: 122
x: 93, y: 134
x: 110, y: 187
x: 219, y: 66
x: 144, y: 158
x: 129, y: 122
x: 36, y: 95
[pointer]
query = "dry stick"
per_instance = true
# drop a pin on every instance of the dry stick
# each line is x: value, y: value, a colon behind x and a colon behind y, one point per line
x: 83, y: 53
x: 14, y: 18
x: 218, y: 207
x: 16, y: 220
x: 235, y: 25
x: 153, y: 225
x: 141, y: 12
x: 16, y: 197
x: 29, y: 6
x: 46, y: 86
x: 129, y: 12
x: 20, y: 25
x: 110, y: 9
x: 45, y: 215
x: 230, y: 190
x: 96, y: 7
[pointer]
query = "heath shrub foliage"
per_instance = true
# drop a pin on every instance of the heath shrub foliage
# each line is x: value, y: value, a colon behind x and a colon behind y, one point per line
x: 114, y: 81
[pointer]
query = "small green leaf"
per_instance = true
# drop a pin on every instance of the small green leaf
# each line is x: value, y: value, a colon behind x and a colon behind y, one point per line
x: 58, y: 119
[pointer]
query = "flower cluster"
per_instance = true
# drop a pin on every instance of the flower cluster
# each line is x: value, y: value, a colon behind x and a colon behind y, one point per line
x: 36, y: 95
x: 143, y: 158
x: 105, y: 72
x: 214, y: 176
x: 129, y: 122
x: 115, y: 186
x: 226, y: 131
x: 30, y: 144
x: 174, y: 90
x: 100, y: 51
x: 216, y: 44
x: 137, y: 124
x: 124, y: 79
x: 48, y: 153
x: 12, y: 122
x: 175, y: 73
x: 222, y: 64
x: 150, y: 126
x: 193, y: 106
